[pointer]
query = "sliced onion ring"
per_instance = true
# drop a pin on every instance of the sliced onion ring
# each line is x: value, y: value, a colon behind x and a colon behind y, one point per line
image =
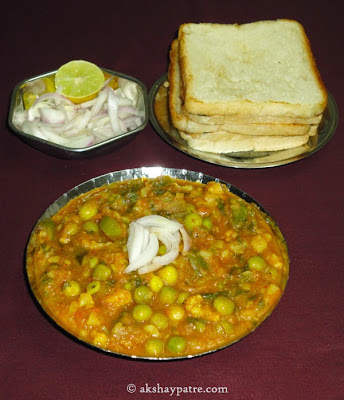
x: 142, y: 253
x: 64, y: 119
x: 159, y: 222
x: 146, y: 256
x: 167, y: 258
x: 186, y: 240
x: 135, y: 241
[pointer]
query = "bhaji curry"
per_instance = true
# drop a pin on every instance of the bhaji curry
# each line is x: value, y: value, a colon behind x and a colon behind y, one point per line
x: 227, y: 273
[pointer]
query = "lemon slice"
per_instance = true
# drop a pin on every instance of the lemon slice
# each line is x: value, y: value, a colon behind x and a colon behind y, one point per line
x: 49, y: 84
x: 113, y: 83
x: 79, y: 80
x: 30, y: 95
x: 28, y: 99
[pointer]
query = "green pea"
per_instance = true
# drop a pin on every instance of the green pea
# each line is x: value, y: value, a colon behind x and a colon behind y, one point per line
x: 182, y: 297
x: 93, y: 287
x: 207, y: 224
x: 101, y: 272
x: 168, y: 274
x: 91, y: 227
x: 256, y: 263
x: 223, y: 305
x: 156, y: 283
x: 168, y: 295
x: 176, y: 344
x: 88, y: 210
x: 192, y: 221
x: 110, y: 227
x: 48, y: 227
x: 151, y: 329
x: 89, y: 260
x: 71, y: 288
x: 143, y: 295
x: 142, y: 312
x: 160, y: 321
x: 71, y: 229
x: 154, y: 347
x: 93, y: 261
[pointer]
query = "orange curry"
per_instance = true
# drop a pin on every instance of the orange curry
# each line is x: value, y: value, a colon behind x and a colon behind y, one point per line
x: 225, y: 285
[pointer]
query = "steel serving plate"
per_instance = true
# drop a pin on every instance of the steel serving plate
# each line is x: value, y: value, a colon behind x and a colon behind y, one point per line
x: 160, y: 119
x: 60, y: 151
x: 148, y: 172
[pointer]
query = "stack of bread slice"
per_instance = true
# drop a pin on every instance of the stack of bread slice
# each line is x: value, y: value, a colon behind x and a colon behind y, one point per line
x: 239, y: 88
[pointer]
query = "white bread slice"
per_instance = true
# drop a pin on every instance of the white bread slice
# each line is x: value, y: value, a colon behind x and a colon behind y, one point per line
x: 181, y: 121
x: 260, y: 68
x: 281, y: 155
x: 225, y: 142
x: 176, y: 103
x: 250, y: 119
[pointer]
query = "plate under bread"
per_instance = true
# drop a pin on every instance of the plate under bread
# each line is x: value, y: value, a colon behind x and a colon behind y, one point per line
x: 159, y: 116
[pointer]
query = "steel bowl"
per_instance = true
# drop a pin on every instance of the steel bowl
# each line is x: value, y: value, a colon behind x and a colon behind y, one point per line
x: 60, y: 151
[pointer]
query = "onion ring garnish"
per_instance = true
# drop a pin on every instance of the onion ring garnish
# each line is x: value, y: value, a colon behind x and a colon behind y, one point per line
x: 143, y: 243
x: 146, y: 256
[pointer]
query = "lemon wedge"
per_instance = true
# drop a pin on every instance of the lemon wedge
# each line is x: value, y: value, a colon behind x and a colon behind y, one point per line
x: 36, y: 88
x: 79, y: 80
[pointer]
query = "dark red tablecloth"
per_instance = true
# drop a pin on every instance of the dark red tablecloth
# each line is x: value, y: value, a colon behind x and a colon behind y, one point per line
x: 297, y: 353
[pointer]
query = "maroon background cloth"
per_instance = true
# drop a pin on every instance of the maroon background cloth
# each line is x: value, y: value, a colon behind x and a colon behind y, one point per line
x: 297, y: 353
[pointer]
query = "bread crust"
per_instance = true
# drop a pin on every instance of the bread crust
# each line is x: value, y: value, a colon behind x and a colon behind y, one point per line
x: 303, y: 96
